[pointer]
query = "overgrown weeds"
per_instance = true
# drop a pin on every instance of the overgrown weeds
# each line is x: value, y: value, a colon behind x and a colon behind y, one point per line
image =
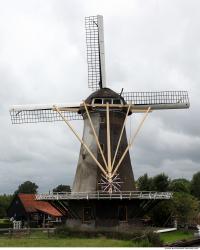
x: 139, y: 238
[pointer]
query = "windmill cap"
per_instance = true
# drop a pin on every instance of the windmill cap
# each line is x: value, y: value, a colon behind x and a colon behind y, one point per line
x: 104, y: 93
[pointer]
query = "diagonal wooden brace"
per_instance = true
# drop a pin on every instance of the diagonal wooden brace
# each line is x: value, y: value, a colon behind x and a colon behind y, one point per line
x: 95, y: 135
x: 81, y: 141
x: 130, y: 144
x: 120, y: 137
x: 108, y: 138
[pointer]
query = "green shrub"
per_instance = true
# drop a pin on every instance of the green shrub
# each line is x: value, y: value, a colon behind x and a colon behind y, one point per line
x: 64, y: 231
x: 5, y: 225
x: 154, y: 239
x: 3, y: 221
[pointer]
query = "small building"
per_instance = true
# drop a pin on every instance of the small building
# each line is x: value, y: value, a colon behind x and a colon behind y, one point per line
x: 33, y: 213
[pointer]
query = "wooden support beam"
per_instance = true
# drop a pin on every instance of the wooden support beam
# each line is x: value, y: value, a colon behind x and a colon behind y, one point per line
x: 133, y: 108
x: 120, y: 137
x: 108, y: 138
x: 81, y: 141
x: 67, y: 109
x: 131, y: 142
x: 95, y: 135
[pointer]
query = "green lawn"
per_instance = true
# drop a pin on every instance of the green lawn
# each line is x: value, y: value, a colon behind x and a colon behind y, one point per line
x: 39, y: 239
x: 175, y: 236
x: 67, y: 242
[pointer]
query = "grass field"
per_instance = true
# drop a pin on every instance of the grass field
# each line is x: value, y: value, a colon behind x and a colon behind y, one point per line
x: 42, y: 240
x: 68, y: 242
x: 175, y: 236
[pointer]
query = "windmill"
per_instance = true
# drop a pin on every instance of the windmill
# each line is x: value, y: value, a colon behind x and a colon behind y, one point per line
x: 104, y: 163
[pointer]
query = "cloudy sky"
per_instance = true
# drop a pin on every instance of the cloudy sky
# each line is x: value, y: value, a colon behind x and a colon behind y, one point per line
x: 150, y: 45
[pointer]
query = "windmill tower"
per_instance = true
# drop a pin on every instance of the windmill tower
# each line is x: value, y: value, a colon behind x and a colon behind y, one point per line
x: 104, y: 164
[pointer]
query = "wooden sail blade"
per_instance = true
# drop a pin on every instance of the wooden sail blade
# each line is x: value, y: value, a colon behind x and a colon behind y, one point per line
x: 43, y: 113
x: 157, y: 100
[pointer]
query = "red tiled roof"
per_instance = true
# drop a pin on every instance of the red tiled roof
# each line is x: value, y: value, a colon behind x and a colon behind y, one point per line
x: 31, y: 205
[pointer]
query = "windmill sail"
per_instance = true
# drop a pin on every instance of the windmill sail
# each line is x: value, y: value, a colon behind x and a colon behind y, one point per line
x: 43, y: 113
x: 95, y: 52
x: 158, y: 100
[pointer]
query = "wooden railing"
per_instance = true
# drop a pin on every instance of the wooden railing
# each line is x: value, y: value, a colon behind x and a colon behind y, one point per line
x: 146, y: 195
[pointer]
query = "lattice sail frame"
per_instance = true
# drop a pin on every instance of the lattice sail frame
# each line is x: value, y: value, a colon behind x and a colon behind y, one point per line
x: 158, y: 99
x: 95, y: 52
x: 43, y: 113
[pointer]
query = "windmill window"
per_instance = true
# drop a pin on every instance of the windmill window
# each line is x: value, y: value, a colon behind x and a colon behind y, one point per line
x: 116, y: 101
x: 122, y: 213
x: 87, y: 214
x: 97, y: 101
x: 102, y: 119
x: 107, y: 101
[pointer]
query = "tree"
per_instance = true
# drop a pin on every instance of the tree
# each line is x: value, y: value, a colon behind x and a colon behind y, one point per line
x: 62, y: 188
x: 144, y: 183
x: 5, y: 201
x: 195, y: 185
x: 180, y: 185
x: 27, y: 187
x: 185, y: 206
x: 160, y: 182
x: 162, y: 213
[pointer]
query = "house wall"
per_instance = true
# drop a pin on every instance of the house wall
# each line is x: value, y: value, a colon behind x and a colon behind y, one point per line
x: 16, y: 210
